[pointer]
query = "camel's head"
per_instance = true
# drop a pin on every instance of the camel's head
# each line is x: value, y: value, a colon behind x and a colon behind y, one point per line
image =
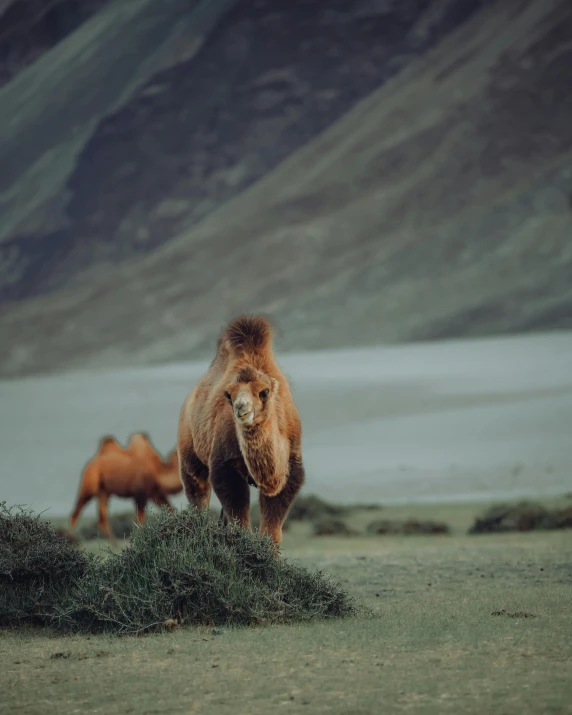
x: 251, y: 395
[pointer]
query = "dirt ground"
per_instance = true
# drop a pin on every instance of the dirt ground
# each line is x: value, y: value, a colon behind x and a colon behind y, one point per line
x: 458, y: 623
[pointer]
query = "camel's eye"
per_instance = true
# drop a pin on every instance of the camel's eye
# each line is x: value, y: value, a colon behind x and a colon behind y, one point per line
x: 263, y: 394
x: 228, y: 397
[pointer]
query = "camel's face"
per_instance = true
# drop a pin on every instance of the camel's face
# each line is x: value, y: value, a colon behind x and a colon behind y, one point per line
x: 251, y: 395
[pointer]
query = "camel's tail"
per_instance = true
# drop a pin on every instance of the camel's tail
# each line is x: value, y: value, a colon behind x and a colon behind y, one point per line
x: 248, y: 333
x: 88, y: 488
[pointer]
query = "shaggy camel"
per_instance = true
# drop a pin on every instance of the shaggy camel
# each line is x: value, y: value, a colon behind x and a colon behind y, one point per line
x: 137, y: 472
x: 239, y: 426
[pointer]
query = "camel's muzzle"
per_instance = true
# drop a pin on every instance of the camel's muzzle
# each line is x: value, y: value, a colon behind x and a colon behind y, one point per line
x: 243, y: 412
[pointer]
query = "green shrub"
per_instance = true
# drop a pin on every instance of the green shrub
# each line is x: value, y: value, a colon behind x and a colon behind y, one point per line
x: 409, y: 527
x: 184, y: 567
x: 308, y: 508
x: 525, y: 516
x: 38, y: 567
x: 328, y: 526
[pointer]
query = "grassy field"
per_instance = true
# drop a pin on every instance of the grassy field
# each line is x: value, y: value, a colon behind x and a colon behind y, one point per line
x: 432, y: 644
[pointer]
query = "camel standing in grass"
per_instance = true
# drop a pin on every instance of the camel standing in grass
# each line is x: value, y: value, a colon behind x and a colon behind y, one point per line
x: 137, y: 472
x: 239, y: 426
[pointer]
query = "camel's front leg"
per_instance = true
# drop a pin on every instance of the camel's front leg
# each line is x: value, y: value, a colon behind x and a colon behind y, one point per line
x: 232, y: 491
x: 274, y: 510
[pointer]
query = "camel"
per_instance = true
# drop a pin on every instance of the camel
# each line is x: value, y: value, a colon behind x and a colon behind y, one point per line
x: 109, y: 444
x: 137, y: 472
x: 239, y: 426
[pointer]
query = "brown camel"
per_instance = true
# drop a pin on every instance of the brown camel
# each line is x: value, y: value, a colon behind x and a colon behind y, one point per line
x: 109, y: 444
x: 239, y: 426
x: 137, y: 472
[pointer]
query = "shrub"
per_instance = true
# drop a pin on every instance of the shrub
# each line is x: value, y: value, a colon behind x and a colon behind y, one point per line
x: 308, y: 508
x: 410, y: 527
x: 38, y: 567
x: 525, y: 516
x: 327, y: 526
x: 183, y: 567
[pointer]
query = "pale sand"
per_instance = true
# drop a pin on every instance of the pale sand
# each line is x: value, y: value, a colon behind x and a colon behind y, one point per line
x: 462, y: 420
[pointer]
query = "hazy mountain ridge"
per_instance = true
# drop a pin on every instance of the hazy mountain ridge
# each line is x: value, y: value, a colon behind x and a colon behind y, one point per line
x: 270, y: 77
x: 29, y: 28
x: 438, y: 207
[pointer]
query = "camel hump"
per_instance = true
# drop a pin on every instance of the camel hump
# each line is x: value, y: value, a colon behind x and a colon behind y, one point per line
x: 248, y: 333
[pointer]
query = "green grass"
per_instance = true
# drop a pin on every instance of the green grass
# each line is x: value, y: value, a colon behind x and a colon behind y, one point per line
x: 432, y: 644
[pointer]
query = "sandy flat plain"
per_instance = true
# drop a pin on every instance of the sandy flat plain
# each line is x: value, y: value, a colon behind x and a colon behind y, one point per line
x: 459, y: 420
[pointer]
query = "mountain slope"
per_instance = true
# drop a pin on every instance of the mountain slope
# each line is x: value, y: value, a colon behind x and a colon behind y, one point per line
x: 439, y: 206
x: 50, y: 109
x: 112, y: 158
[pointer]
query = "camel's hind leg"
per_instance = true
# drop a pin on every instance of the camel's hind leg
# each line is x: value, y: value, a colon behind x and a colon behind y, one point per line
x: 87, y: 490
x: 103, y: 519
x: 82, y: 500
x: 141, y: 504
x: 195, y: 478
x: 274, y: 510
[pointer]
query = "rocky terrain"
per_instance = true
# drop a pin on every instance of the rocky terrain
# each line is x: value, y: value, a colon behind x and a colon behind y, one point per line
x: 366, y: 172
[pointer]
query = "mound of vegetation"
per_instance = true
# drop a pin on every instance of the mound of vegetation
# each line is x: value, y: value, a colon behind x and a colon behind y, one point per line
x: 408, y: 527
x: 179, y: 568
x: 305, y: 508
x: 525, y: 516
x: 67, y: 535
x: 312, y: 507
x: 121, y: 526
x: 38, y: 567
x: 328, y: 526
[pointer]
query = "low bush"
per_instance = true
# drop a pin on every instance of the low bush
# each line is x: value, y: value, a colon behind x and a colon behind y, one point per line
x: 309, y: 508
x: 179, y: 568
x: 525, y: 516
x: 38, y: 567
x: 409, y: 527
x: 328, y: 526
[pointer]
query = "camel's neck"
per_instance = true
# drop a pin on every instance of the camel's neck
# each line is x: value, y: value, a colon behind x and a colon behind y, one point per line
x: 265, y: 451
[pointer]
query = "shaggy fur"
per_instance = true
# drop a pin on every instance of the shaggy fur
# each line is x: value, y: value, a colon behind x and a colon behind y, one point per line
x: 239, y: 426
x: 137, y: 472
